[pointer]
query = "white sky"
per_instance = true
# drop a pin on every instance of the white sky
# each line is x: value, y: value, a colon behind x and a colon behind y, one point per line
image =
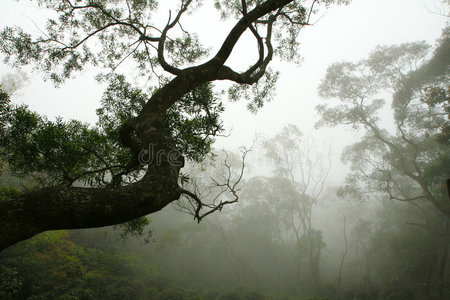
x: 343, y: 33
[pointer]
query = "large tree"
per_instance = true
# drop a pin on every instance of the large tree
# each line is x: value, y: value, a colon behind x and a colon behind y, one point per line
x: 405, y: 157
x: 130, y: 162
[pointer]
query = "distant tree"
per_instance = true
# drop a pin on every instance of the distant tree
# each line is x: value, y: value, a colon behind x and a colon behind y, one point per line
x: 131, y: 161
x: 260, y: 233
x: 387, y: 254
x: 306, y: 166
x: 396, y: 161
x: 342, y: 260
x: 408, y: 160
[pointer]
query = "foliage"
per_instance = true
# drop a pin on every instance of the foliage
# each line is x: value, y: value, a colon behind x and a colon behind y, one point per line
x: 173, y: 293
x: 72, y: 271
x: 10, y: 284
x: 399, y: 160
x: 249, y: 245
x: 4, y: 107
x: 7, y: 192
x: 127, y: 30
x: 406, y: 161
x: 59, y: 152
x: 257, y: 94
x: 192, y: 122
x: 135, y: 228
x: 52, y: 153
x: 438, y: 100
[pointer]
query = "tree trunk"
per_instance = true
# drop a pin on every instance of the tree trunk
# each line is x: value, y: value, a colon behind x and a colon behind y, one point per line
x: 315, y: 273
x: 341, y: 264
x: 429, y: 274
x: 72, y: 207
x: 443, y: 261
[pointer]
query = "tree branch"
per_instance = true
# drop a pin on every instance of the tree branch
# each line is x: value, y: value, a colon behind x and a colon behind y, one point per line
x: 171, y: 69
x: 229, y: 185
x: 249, y: 77
x: 27, y: 214
x: 234, y: 35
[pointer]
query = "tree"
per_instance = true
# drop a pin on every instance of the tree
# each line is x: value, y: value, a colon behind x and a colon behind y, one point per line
x: 409, y: 160
x: 306, y: 167
x: 393, y: 161
x: 132, y: 159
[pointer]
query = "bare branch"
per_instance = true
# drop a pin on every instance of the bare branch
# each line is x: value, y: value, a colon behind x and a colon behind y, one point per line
x: 228, y: 184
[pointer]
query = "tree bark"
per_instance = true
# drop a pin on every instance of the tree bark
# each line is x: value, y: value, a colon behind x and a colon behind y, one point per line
x: 75, y: 207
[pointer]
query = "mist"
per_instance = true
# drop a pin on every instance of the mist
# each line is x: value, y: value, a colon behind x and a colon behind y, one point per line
x: 337, y: 186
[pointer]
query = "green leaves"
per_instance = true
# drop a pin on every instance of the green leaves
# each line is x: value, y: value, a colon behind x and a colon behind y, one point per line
x: 256, y: 94
x: 18, y: 46
x: 52, y: 152
x: 185, y: 50
x: 124, y: 30
x: 135, y: 228
x: 11, y: 283
x: 4, y: 108
x: 72, y: 271
x: 438, y: 101
x: 193, y: 121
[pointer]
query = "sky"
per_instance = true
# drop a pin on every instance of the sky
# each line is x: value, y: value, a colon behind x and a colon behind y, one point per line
x: 341, y: 33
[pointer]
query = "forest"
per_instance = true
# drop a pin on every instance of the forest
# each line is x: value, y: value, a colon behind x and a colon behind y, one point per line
x: 143, y: 205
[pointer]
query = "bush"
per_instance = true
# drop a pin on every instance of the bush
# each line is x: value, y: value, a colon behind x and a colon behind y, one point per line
x: 151, y: 293
x: 10, y: 283
x: 241, y: 293
x: 78, y: 294
x: 210, y: 295
x: 173, y: 293
x: 229, y: 296
x: 400, y: 295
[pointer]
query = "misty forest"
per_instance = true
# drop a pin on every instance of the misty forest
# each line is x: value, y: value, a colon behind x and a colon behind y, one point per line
x: 150, y: 201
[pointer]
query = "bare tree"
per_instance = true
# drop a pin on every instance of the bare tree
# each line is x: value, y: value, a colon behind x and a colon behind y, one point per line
x: 307, y: 167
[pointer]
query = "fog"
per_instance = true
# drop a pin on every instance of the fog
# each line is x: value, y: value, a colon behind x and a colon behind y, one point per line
x: 336, y: 188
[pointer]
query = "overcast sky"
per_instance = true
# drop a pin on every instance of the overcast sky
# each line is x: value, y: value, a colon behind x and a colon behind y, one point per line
x: 342, y: 33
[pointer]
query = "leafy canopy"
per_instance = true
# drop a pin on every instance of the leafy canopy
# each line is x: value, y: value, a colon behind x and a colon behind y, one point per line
x: 409, y: 160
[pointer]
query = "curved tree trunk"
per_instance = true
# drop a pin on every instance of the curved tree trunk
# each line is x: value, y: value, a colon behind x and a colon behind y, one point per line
x: 72, y: 207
